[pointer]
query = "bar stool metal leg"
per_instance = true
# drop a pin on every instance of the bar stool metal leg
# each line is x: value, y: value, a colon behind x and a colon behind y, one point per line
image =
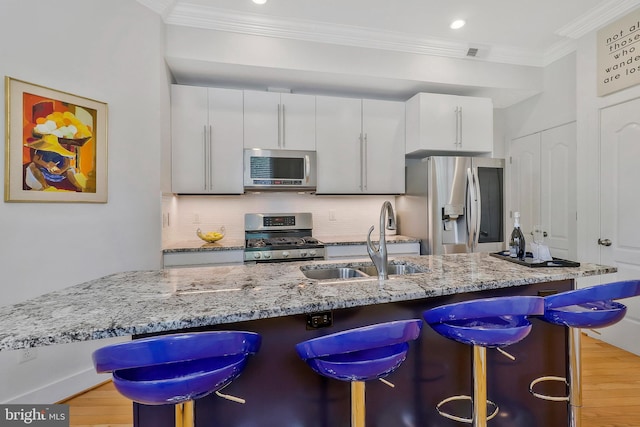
x: 575, y: 376
x: 185, y: 414
x: 357, y: 404
x: 479, y: 386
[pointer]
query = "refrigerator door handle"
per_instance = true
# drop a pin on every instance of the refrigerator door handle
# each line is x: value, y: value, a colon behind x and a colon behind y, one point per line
x: 471, y: 211
x: 478, y: 206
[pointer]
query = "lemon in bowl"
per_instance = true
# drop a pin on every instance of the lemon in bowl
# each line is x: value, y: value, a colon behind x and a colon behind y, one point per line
x: 211, y: 236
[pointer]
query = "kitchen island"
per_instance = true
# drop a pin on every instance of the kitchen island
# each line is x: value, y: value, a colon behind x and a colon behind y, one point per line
x: 276, y: 299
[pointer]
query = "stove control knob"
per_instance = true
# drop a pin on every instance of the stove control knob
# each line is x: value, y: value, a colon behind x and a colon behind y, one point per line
x: 312, y: 252
x: 285, y: 254
x: 303, y: 253
x: 267, y: 255
x: 256, y: 255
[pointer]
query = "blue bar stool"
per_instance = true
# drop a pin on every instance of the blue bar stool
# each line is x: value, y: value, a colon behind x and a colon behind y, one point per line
x: 593, y: 308
x: 491, y: 322
x: 359, y: 355
x: 176, y: 369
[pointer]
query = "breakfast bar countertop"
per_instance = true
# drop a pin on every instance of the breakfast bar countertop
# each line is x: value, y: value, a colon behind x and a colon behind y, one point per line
x: 140, y: 302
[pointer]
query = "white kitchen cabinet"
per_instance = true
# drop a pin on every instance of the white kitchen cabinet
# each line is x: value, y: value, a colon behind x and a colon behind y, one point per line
x: 279, y: 120
x: 360, y: 146
x: 448, y: 123
x: 206, y: 140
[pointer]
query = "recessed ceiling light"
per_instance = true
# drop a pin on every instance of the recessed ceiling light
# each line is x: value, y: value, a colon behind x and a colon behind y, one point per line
x: 259, y: 1
x: 458, y: 23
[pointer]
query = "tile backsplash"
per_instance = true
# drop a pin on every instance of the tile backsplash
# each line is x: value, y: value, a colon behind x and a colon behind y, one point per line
x: 332, y: 215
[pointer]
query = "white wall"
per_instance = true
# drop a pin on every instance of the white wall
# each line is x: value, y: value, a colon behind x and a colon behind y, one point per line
x: 556, y: 105
x: 111, y: 51
x: 353, y: 214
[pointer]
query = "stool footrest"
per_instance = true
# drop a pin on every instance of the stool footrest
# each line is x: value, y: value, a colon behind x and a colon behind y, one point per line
x: 547, y: 397
x: 462, y: 419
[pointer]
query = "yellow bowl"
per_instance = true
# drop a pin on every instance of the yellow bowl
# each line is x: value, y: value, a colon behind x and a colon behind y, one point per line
x: 211, y: 236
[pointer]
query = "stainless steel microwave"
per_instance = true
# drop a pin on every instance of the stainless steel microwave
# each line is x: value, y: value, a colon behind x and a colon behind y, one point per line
x: 288, y: 170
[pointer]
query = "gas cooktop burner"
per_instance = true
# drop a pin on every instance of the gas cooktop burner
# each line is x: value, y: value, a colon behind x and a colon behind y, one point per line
x: 280, y: 237
x: 281, y: 241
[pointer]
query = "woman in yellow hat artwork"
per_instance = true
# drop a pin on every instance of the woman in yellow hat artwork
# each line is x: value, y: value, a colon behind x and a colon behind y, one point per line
x: 51, y: 167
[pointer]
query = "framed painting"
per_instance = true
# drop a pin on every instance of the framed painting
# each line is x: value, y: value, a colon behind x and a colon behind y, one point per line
x: 56, y: 148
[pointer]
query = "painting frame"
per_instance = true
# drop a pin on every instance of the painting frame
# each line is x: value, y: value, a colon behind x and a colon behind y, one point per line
x: 56, y: 145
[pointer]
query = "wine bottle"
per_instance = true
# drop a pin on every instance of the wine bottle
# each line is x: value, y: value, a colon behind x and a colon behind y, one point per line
x: 516, y: 242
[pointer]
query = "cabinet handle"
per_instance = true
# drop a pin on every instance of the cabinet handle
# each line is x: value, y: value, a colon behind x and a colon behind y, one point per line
x: 361, y: 163
x: 204, y: 154
x: 365, y: 164
x: 210, y: 157
x: 284, y: 135
x: 279, y: 120
x: 455, y: 142
x: 460, y: 127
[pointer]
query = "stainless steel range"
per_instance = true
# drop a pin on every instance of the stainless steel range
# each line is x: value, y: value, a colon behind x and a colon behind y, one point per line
x: 280, y: 237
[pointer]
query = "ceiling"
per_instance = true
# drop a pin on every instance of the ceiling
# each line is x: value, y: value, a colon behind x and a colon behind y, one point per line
x: 518, y: 32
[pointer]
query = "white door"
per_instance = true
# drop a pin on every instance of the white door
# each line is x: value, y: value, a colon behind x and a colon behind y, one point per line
x: 620, y: 211
x: 524, y: 164
x: 543, y: 190
x: 558, y: 201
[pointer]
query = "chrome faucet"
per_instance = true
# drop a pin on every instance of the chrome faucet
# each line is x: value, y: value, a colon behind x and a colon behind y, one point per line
x: 379, y: 255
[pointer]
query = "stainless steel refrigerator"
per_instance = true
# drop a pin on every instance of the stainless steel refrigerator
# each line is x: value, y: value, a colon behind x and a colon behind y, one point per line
x: 454, y: 204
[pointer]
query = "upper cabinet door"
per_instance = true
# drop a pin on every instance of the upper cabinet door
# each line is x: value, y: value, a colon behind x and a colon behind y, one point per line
x: 383, y: 126
x: 279, y: 121
x: 339, y: 145
x: 261, y: 119
x: 189, y: 131
x: 225, y: 139
x: 206, y: 140
x: 297, y: 121
x: 475, y: 117
x: 448, y: 123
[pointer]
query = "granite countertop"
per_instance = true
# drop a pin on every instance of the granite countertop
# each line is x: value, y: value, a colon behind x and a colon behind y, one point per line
x: 138, y: 302
x: 227, y: 244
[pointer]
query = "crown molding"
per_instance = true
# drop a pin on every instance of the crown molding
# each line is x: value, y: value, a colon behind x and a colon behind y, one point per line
x: 211, y: 18
x: 559, y: 50
x: 597, y: 17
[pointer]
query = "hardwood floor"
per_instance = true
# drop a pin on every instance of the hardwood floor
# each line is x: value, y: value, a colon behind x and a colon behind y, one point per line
x: 611, y: 393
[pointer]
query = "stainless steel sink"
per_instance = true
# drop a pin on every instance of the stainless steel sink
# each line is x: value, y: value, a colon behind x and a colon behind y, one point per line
x: 320, y: 272
x: 392, y: 269
x: 332, y: 273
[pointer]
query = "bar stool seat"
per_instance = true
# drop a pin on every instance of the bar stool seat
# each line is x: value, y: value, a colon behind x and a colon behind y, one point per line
x: 483, y: 323
x: 593, y: 308
x: 178, y: 368
x: 359, y: 355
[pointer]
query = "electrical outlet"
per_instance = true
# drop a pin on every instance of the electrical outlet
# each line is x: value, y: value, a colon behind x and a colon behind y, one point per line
x: 196, y: 218
x: 27, y: 354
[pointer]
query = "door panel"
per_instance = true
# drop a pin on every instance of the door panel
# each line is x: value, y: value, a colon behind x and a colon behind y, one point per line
x: 620, y: 209
x: 525, y: 182
x: 558, y: 185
